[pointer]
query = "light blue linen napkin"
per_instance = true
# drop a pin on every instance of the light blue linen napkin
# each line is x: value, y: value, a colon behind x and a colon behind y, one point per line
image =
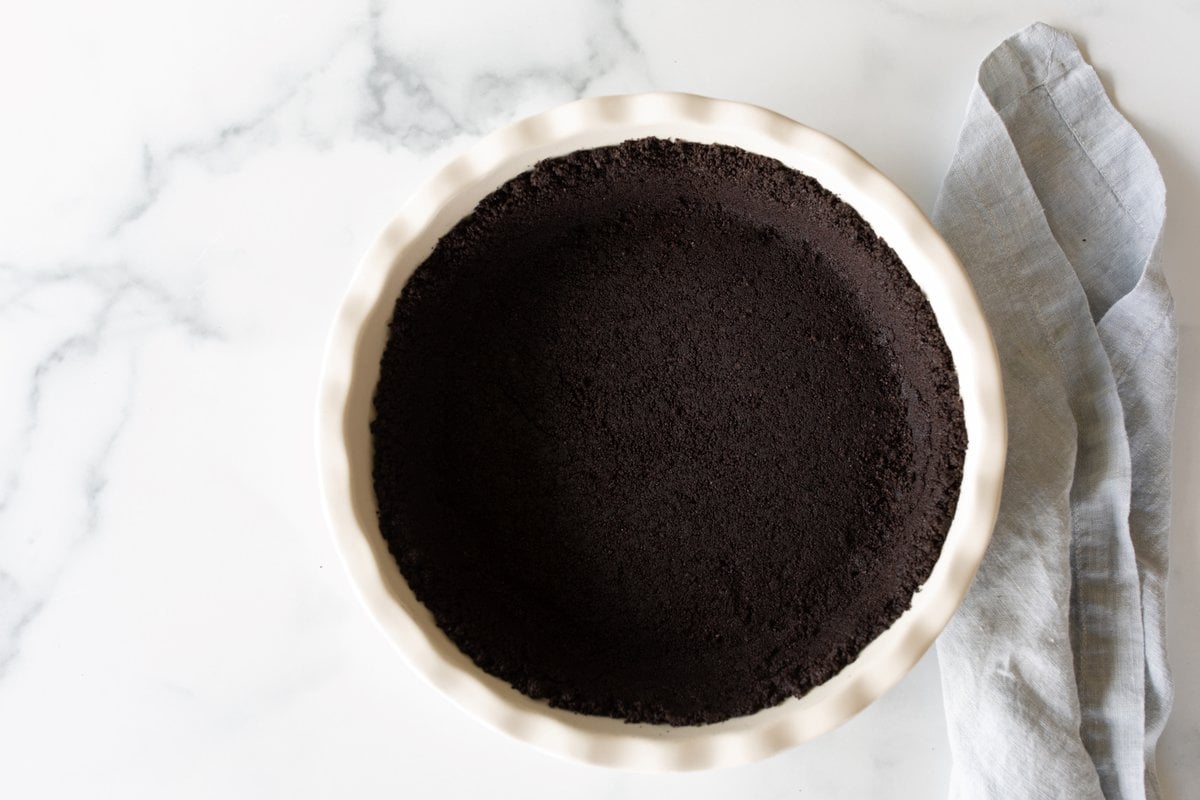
x: 1054, y: 670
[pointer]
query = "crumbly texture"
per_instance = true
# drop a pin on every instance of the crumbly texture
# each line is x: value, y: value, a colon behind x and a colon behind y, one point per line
x: 665, y: 432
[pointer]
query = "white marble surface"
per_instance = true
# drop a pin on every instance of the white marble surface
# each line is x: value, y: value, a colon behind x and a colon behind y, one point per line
x: 184, y: 190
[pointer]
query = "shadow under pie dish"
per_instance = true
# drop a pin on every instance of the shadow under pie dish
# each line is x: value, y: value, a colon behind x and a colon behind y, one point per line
x: 661, y: 432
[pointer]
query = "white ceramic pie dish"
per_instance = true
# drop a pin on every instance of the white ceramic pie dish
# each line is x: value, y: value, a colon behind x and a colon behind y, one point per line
x: 351, y: 372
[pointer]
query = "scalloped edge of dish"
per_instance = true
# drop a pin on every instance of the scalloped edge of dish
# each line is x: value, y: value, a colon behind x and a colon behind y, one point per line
x: 351, y: 367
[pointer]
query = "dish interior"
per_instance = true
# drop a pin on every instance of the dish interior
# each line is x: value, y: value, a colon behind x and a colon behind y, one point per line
x: 665, y: 433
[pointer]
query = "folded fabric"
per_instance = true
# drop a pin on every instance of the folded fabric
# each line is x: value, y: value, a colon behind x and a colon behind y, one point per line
x: 1054, y: 670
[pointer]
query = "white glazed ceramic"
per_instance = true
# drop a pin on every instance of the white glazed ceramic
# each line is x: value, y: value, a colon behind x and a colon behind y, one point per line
x: 352, y: 370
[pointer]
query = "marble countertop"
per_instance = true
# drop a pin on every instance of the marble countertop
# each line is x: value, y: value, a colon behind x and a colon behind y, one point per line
x: 185, y: 189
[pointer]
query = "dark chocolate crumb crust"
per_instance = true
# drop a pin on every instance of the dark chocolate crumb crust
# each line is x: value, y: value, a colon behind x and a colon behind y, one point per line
x: 664, y: 432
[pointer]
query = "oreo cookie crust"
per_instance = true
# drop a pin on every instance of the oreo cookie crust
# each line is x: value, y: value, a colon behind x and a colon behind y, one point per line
x: 664, y: 432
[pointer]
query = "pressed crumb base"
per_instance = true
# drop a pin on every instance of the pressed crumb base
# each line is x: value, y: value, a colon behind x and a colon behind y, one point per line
x: 664, y: 432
